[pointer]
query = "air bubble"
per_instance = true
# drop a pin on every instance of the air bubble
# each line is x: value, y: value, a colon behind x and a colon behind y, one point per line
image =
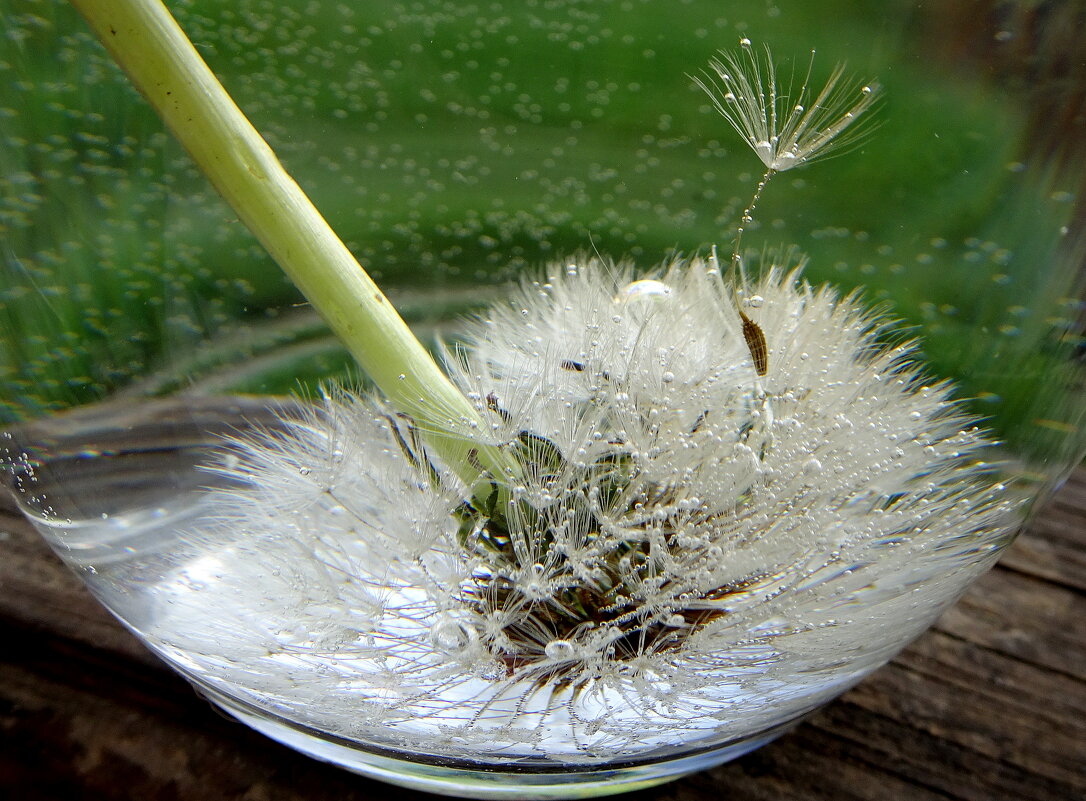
x: 493, y: 671
x: 560, y: 650
x: 645, y: 289
x: 450, y: 634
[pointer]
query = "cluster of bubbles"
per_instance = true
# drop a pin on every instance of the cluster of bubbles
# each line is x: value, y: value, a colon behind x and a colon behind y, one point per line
x: 436, y: 149
x: 449, y: 144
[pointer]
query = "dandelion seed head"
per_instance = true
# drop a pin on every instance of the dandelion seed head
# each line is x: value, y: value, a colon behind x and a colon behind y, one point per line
x: 683, y: 531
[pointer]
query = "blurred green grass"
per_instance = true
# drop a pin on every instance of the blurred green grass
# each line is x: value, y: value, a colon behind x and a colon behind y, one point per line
x: 457, y: 144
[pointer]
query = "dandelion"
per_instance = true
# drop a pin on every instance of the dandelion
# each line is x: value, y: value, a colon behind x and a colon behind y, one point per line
x: 656, y: 521
x: 715, y: 503
x: 652, y: 519
x: 687, y: 536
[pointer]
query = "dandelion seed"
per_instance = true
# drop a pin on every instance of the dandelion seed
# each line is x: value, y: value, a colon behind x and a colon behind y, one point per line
x: 756, y: 344
x: 784, y: 131
x: 785, y: 127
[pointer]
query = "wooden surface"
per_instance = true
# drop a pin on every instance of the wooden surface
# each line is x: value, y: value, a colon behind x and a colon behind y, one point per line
x: 989, y: 705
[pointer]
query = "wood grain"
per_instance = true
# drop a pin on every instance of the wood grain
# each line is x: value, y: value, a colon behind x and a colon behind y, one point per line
x: 988, y: 705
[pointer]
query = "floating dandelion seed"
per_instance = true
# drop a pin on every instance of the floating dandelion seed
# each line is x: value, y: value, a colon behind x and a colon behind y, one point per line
x: 786, y: 129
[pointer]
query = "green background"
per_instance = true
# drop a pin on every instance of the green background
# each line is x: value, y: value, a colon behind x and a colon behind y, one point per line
x: 458, y: 146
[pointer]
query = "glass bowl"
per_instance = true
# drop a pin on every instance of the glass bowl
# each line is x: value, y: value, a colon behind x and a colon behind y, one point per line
x: 150, y: 347
x: 127, y: 495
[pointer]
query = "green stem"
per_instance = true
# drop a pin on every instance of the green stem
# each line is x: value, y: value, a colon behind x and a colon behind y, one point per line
x: 148, y: 44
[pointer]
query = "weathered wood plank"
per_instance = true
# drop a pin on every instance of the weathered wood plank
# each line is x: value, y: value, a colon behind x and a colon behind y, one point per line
x: 1056, y: 551
x: 61, y: 739
x: 1023, y: 742
x: 937, y: 764
x: 1038, y: 622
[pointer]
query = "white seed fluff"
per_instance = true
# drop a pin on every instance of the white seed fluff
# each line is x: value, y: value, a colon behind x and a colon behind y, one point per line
x: 773, y: 537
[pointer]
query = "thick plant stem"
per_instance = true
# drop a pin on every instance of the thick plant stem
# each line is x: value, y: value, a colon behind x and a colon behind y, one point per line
x: 150, y: 46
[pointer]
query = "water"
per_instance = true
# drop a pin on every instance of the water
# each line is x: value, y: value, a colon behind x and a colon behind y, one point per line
x: 302, y: 624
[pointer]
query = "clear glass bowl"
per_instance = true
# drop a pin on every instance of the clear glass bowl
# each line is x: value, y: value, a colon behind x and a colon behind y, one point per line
x: 455, y: 148
x: 123, y: 495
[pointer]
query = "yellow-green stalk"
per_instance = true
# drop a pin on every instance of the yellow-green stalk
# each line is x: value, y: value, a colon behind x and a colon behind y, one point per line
x: 150, y: 46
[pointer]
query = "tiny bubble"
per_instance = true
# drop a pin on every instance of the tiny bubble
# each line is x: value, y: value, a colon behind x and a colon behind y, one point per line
x: 449, y: 634
x: 560, y: 650
x: 646, y: 288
